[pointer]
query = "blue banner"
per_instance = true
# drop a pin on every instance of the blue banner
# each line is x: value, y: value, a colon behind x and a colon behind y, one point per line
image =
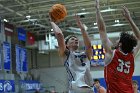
x: 7, y: 55
x: 0, y: 59
x: 7, y: 86
x: 18, y: 62
x: 21, y: 59
x: 21, y: 34
x: 24, y: 66
x: 30, y: 85
x: 0, y: 26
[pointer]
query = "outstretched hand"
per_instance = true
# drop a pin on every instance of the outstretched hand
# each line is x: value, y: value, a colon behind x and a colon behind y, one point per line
x: 97, y: 5
x: 55, y: 28
x: 50, y: 17
x: 126, y: 13
x: 79, y: 23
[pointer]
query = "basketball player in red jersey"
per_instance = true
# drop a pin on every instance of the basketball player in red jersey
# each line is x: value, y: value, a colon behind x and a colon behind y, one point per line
x: 119, y: 62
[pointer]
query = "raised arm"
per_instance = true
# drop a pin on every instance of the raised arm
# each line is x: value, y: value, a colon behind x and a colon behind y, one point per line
x: 86, y: 39
x: 60, y: 38
x: 102, y: 30
x: 135, y: 29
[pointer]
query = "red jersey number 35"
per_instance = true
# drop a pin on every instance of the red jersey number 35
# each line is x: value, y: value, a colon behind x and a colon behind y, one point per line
x: 123, y: 66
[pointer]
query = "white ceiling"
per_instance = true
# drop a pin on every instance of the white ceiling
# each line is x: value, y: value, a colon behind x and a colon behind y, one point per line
x: 15, y: 11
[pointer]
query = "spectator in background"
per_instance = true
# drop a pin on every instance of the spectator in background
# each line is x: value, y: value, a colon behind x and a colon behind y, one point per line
x: 100, y: 89
x: 135, y: 86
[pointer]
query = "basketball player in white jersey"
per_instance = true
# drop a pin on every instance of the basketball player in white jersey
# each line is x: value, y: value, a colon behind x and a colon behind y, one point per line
x: 77, y: 63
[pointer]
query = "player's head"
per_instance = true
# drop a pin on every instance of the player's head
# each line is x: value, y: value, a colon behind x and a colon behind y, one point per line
x: 127, y: 42
x: 97, y: 83
x: 135, y: 84
x: 72, y: 42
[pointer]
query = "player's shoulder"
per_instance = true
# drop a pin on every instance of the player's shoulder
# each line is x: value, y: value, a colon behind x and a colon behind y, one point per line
x: 109, y: 57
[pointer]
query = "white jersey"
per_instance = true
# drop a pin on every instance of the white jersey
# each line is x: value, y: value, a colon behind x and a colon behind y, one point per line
x: 78, y: 69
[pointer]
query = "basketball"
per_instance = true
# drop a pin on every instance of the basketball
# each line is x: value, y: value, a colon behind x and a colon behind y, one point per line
x: 58, y: 12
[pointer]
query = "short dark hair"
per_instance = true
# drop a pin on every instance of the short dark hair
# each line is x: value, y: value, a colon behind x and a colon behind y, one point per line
x: 68, y: 37
x: 135, y: 82
x: 96, y: 80
x: 128, y: 42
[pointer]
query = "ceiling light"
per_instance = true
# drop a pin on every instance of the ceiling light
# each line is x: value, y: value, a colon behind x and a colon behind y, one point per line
x: 28, y: 17
x: 29, y: 20
x: 95, y: 27
x: 5, y: 20
x: 117, y: 21
x: 95, y: 23
x: 83, y: 9
x: 118, y: 24
x: 83, y: 13
x: 108, y: 10
x: 51, y: 29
